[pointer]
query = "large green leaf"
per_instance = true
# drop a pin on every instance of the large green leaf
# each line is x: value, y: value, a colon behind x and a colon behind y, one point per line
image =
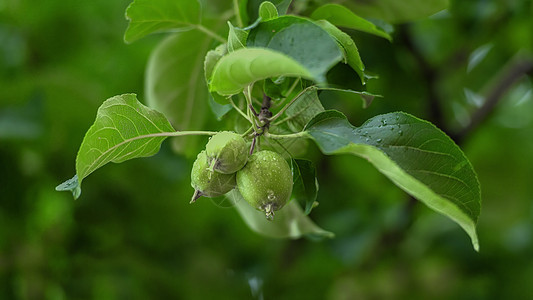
x: 175, y: 85
x: 124, y: 129
x: 350, y: 51
x: 394, y: 11
x: 343, y: 17
x: 301, y: 39
x: 148, y: 16
x: 289, y: 222
x: 414, y: 154
x: 244, y: 66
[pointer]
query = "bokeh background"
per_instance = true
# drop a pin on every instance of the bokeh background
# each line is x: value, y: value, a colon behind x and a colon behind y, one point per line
x: 133, y: 235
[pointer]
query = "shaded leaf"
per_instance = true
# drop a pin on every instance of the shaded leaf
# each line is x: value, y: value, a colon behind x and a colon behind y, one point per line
x: 303, y: 109
x: 301, y: 39
x: 174, y: 84
x: 276, y: 89
x: 244, y: 66
x: 305, y: 188
x: 343, y: 17
x: 219, y: 110
x: 413, y: 154
x: 350, y: 51
x: 149, y: 16
x: 289, y: 222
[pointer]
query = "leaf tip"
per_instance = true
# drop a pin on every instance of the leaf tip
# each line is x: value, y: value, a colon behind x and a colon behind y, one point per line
x: 72, y: 185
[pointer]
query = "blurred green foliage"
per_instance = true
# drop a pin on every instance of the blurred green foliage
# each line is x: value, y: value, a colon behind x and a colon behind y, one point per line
x: 133, y: 234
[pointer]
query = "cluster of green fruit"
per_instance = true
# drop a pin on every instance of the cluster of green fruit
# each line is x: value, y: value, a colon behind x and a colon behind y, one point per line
x: 264, y: 178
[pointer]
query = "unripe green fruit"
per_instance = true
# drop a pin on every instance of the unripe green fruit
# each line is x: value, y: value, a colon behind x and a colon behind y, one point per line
x: 227, y: 152
x: 265, y: 182
x: 208, y: 183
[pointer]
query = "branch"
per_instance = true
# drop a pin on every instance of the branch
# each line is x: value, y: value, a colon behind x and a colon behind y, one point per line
x: 511, y: 73
x: 429, y: 75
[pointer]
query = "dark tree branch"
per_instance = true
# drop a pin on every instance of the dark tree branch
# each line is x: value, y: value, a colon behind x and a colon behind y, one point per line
x: 430, y: 77
x: 515, y: 70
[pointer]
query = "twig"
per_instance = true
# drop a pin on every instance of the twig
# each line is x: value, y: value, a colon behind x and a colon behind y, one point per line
x: 516, y: 69
x: 429, y: 75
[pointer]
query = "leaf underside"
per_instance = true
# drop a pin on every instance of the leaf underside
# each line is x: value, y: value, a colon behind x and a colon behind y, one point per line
x: 289, y: 222
x: 175, y: 85
x: 247, y: 65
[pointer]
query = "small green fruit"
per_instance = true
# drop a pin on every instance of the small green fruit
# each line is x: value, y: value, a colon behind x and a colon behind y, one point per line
x: 207, y: 183
x: 265, y: 182
x: 227, y: 152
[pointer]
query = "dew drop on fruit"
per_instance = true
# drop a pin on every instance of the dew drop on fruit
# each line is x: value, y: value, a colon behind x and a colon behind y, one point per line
x: 270, y: 195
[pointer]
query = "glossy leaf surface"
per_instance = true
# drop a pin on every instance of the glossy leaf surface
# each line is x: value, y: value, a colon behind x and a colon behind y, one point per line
x: 412, y: 153
x: 301, y: 39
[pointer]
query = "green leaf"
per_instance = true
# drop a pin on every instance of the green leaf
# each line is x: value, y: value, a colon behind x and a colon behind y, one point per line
x: 124, y: 129
x: 350, y: 51
x: 414, y: 155
x: 244, y: 66
x: 175, y: 86
x: 305, y: 188
x: 149, y: 16
x: 236, y: 38
x: 289, y: 222
x: 343, y: 17
x: 301, y: 39
x: 394, y: 11
x: 267, y: 11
